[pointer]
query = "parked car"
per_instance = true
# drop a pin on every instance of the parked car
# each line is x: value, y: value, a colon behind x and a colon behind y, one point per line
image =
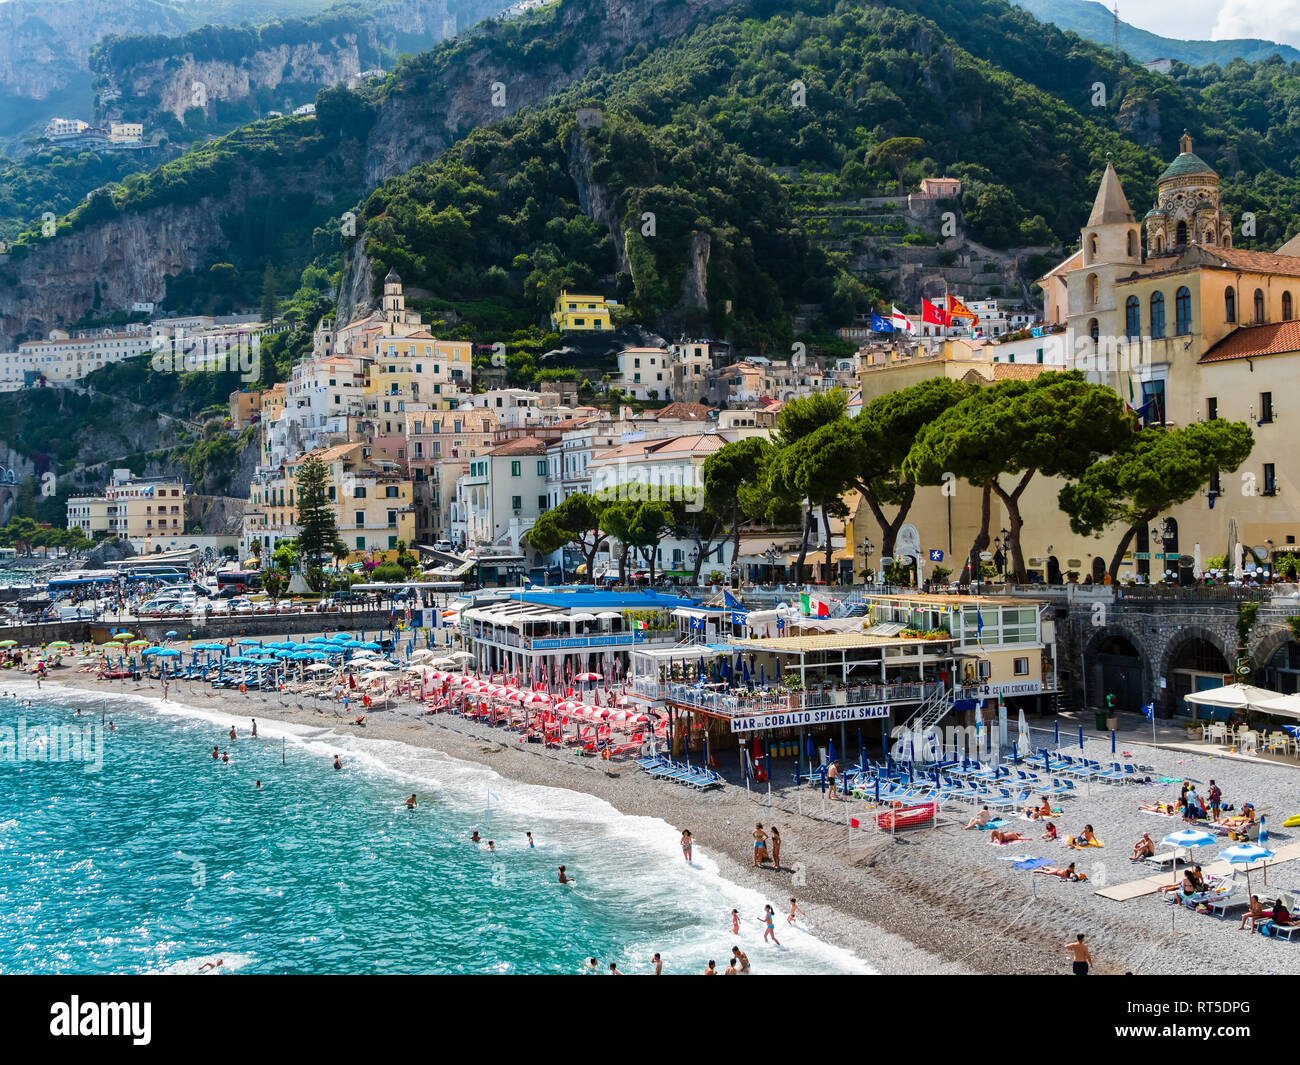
x: 443, y: 546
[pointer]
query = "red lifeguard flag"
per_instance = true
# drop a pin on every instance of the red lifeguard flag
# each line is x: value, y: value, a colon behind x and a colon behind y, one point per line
x: 933, y: 315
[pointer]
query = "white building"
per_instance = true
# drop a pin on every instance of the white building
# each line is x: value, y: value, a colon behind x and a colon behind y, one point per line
x: 61, y: 357
x: 645, y: 373
x: 503, y: 494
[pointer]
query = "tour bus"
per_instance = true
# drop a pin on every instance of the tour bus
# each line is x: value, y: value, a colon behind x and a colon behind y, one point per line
x: 239, y: 581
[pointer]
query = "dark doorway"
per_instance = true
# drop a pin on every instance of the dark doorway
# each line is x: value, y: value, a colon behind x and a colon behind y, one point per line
x: 1098, y: 570
x: 1195, y: 666
x: 1053, y: 570
x: 1122, y: 673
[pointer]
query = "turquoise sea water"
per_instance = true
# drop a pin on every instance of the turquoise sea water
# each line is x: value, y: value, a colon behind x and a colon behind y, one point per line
x: 163, y: 860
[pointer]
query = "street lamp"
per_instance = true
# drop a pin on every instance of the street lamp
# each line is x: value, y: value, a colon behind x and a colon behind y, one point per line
x: 868, y: 549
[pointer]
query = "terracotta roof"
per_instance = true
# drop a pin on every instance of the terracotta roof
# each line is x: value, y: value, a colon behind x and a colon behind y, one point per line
x: 1252, y: 341
x: 1267, y: 262
x: 525, y: 445
x: 1018, y: 371
x: 687, y: 412
x: 1212, y: 257
x: 703, y: 442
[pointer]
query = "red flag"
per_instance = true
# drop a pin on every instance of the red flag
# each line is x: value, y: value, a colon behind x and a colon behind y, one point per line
x: 933, y: 315
x: 957, y: 309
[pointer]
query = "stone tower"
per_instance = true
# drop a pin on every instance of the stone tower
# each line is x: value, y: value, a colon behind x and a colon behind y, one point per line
x: 394, y: 301
x: 1187, y: 207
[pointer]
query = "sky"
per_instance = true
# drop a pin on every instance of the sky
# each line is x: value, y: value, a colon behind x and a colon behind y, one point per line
x: 1272, y: 20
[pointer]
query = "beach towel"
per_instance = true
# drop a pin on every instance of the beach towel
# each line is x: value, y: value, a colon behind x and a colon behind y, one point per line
x: 997, y: 822
x: 1074, y: 845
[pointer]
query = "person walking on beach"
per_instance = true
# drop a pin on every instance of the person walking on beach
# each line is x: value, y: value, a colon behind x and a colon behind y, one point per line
x: 687, y: 842
x: 768, y: 920
x: 760, y: 846
x: 254, y: 728
x: 1215, y: 796
x: 1081, y: 955
x: 794, y: 908
x: 776, y: 848
x: 832, y: 778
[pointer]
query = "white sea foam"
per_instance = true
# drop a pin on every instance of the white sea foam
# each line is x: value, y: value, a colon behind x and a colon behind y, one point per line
x: 626, y: 862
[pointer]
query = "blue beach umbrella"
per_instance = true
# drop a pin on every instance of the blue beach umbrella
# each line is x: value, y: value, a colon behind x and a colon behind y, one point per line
x: 1263, y: 828
x: 811, y: 750
x: 1246, y: 854
x: 762, y: 676
x: 1189, y: 838
x: 171, y: 633
x: 1080, y: 737
x: 877, y: 780
x: 1056, y: 733
x: 830, y: 751
x: 1112, y: 741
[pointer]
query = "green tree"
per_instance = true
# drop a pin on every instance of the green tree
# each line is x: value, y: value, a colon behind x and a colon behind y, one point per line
x: 895, y: 153
x: 1155, y: 470
x: 1057, y: 424
x: 317, y: 530
x: 575, y: 520
x: 725, y: 474
x: 883, y: 434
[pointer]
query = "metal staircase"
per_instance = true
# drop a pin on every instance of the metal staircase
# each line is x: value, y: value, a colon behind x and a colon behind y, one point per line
x: 933, y: 710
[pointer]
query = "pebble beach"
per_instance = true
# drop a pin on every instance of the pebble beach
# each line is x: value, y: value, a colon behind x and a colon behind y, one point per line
x: 924, y: 901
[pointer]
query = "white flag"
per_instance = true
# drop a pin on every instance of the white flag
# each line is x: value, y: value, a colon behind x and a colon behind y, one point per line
x: 902, y: 321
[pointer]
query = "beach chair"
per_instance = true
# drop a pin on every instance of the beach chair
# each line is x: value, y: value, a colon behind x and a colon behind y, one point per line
x: 1004, y: 800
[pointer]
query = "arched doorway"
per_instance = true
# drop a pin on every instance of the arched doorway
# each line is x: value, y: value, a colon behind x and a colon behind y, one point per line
x: 1196, y: 664
x: 1098, y: 570
x: 1053, y: 570
x: 1280, y: 671
x: 1122, y: 673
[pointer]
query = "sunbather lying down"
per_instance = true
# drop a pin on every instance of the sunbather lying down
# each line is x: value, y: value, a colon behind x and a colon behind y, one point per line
x: 1166, y: 808
x: 998, y: 836
x: 1068, y: 873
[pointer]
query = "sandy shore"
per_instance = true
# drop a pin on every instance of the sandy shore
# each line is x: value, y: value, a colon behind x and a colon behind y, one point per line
x: 934, y: 901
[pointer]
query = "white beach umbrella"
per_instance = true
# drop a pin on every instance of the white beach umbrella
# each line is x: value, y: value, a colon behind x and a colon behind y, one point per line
x: 1197, y: 571
x: 1239, y: 563
x: 1023, y: 743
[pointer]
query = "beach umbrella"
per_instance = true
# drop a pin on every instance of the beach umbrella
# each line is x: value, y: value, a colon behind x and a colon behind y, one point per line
x: 830, y: 751
x: 59, y: 643
x: 1263, y: 828
x: 1056, y: 734
x: 171, y: 633
x: 1246, y: 854
x: 1080, y: 737
x: 1197, y: 570
x: 1189, y: 838
x: 8, y: 643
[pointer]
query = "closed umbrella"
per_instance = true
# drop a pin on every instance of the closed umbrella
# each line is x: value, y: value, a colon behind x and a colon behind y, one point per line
x: 1197, y: 569
x: 830, y: 751
x: 1023, y: 742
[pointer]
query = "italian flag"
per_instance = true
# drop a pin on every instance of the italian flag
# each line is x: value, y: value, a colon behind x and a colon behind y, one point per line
x: 813, y: 607
x: 642, y: 625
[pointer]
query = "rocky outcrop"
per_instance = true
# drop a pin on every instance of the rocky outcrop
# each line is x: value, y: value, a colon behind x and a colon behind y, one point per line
x: 215, y: 515
x: 440, y: 97
x: 110, y: 550
x: 695, y: 285
x: 595, y: 199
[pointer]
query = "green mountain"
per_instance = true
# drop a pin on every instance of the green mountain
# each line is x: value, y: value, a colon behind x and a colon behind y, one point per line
x: 1095, y: 22
x: 702, y: 130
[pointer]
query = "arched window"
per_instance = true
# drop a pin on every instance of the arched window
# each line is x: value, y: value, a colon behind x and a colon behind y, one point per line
x: 1183, y: 311
x: 1259, y: 306
x: 1157, y: 315
x: 1286, y: 306
x: 1132, y: 244
x: 1180, y: 235
x: 1094, y: 331
x: 1132, y: 318
x: 1094, y: 290
x: 1230, y: 305
x: 1209, y: 236
x: 1092, y: 247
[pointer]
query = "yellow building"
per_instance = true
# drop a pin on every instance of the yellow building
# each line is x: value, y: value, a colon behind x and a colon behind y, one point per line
x: 131, y: 507
x: 373, y: 503
x: 575, y: 312
x: 1191, y: 330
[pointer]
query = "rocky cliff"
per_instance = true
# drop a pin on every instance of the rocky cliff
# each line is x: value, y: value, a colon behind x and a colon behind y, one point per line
x: 431, y: 102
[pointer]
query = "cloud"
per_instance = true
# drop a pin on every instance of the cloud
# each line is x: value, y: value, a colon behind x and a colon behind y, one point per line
x: 1272, y: 20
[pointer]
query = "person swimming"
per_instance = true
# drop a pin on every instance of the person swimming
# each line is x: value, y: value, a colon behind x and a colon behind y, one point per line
x: 491, y: 846
x: 216, y: 754
x: 225, y: 757
x: 531, y: 844
x: 338, y: 764
x: 410, y: 803
x: 475, y: 837
x: 564, y: 878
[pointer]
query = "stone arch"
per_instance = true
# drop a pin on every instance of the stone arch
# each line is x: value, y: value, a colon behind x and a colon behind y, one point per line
x: 1174, y: 641
x: 1103, y: 675
x: 1266, y: 641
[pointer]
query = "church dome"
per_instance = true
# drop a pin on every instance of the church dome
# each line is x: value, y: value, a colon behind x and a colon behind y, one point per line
x: 1187, y: 163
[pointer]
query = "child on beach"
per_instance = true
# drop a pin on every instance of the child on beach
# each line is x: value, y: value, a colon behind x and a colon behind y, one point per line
x: 770, y: 930
x: 687, y: 842
x: 735, y: 922
x: 794, y: 908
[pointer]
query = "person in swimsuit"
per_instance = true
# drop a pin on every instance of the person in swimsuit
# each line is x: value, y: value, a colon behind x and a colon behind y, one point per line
x: 564, y: 879
x: 735, y: 922
x: 1067, y: 873
x: 531, y: 844
x: 225, y: 757
x: 216, y: 755
x: 776, y: 848
x: 593, y: 965
x: 712, y: 970
x: 730, y: 970
x: 212, y: 964
x: 491, y: 845
x: 613, y: 969
x: 1083, y: 839
x: 232, y: 732
x: 257, y: 783
x: 1079, y: 951
x: 337, y: 764
x: 768, y: 919
x: 980, y: 819
x: 658, y: 963
x: 760, y: 846
x: 1050, y: 834
x: 741, y: 959
x: 999, y: 837
x: 794, y: 908
x: 1040, y: 812
x: 410, y: 803
x: 254, y: 728
x: 1143, y: 848
x: 687, y: 842
x: 475, y: 837
x: 1255, y: 913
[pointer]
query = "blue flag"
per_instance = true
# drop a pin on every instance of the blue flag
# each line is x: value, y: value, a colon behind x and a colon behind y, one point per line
x: 1149, y: 711
x: 880, y: 324
x: 979, y: 623
x: 731, y: 601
